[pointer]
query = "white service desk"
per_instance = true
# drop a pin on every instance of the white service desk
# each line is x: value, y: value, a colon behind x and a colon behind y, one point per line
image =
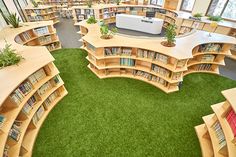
x: 139, y: 23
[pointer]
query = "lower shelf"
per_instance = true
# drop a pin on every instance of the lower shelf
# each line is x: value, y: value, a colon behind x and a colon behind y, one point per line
x: 204, y: 140
x: 31, y: 135
x: 202, y: 71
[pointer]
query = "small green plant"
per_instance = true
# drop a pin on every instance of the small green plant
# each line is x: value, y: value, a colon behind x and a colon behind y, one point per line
x: 106, y: 32
x: 215, y: 18
x: 8, y: 56
x: 170, y: 35
x: 35, y: 4
x: 117, y: 2
x: 89, y: 3
x: 198, y: 15
x: 91, y: 20
x: 13, y: 19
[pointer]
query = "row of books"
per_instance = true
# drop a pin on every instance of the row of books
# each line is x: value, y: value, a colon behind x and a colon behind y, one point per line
x: 37, y: 76
x: 50, y: 99
x: 184, y: 30
x: 23, y: 89
x: 117, y: 51
x: 203, y: 67
x: 2, y: 120
x: 127, y: 62
x: 150, y: 77
x: 231, y: 119
x: 38, y: 115
x: 84, y: 11
x: 170, y: 20
x: 15, y: 132
x: 152, y: 55
x: 161, y: 71
x: 53, y: 46
x: 45, y: 39
x: 41, y: 30
x: 29, y: 105
x: 44, y: 88
x: 6, y: 150
x: 26, y: 36
x: 208, y: 58
x: 219, y: 134
x: 212, y: 47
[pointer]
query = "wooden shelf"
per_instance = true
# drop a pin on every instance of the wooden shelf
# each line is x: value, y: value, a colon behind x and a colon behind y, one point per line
x: 204, y: 140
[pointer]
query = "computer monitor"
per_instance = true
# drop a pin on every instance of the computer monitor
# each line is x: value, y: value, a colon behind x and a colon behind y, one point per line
x: 150, y: 14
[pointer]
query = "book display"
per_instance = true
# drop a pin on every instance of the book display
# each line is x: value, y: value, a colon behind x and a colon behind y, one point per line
x: 30, y: 85
x: 217, y: 134
x: 63, y: 2
x: 160, y: 66
x: 40, y: 36
x: 108, y: 12
x: 41, y: 13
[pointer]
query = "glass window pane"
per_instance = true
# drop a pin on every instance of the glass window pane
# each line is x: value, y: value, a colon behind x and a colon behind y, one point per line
x: 3, y: 8
x: 216, y: 7
x: 230, y: 10
x: 188, y: 5
x: 157, y: 2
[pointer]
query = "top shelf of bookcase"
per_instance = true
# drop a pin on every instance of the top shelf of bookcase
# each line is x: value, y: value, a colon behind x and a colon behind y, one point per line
x: 39, y: 7
x: 34, y: 58
x: 182, y: 50
x: 230, y: 97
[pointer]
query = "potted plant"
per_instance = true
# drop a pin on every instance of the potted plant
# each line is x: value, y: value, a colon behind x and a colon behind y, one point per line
x: 198, y: 16
x: 170, y: 35
x: 106, y: 32
x: 117, y: 2
x: 35, y: 4
x: 12, y: 19
x: 91, y: 20
x: 8, y: 56
x: 89, y: 3
x: 215, y: 18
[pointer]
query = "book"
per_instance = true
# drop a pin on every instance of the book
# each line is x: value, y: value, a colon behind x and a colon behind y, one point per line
x: 46, y: 86
x: 231, y: 119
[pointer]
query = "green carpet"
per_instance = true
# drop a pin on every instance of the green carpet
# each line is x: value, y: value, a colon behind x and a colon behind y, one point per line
x: 121, y: 117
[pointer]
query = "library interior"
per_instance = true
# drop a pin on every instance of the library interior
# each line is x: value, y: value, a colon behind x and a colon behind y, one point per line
x: 118, y: 78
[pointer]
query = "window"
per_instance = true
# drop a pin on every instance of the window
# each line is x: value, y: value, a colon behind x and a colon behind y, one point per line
x: 224, y: 8
x: 157, y: 2
x: 187, y: 5
x: 18, y: 6
x: 3, y: 11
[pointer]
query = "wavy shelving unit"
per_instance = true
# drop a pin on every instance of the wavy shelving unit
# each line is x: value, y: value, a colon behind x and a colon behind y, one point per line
x: 226, y: 134
x: 34, y: 75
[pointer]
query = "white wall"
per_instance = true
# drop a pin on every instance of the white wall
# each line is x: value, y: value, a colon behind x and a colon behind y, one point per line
x: 201, y: 6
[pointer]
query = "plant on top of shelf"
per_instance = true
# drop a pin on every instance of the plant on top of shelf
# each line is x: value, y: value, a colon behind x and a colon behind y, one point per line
x: 13, y: 19
x: 198, y: 16
x: 170, y: 35
x: 35, y: 4
x: 106, y: 32
x: 8, y: 56
x: 117, y: 2
x: 89, y: 3
x: 91, y: 20
x: 215, y: 18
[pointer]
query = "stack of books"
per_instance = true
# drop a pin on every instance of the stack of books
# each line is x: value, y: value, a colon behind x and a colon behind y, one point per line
x: 18, y: 95
x: 26, y: 35
x: 161, y: 71
x: 38, y: 115
x: 161, y: 58
x: 142, y: 74
x: 50, y: 99
x: 208, y: 58
x: 231, y: 118
x: 37, y: 76
x: 212, y: 47
x: 45, y: 39
x: 126, y: 51
x: 15, y: 133
x: 2, y: 120
x: 181, y: 63
x: 112, y: 51
x: 29, y: 105
x: 41, y: 31
x: 176, y: 76
x: 159, y: 80
x: 204, y: 67
x: 46, y: 86
x: 219, y: 134
x: 127, y: 62
x: 145, y: 54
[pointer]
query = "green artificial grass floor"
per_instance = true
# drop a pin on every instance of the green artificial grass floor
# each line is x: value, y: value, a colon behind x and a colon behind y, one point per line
x: 121, y: 117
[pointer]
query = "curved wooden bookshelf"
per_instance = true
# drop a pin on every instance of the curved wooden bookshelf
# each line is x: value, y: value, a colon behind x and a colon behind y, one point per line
x: 32, y: 89
x: 42, y: 13
x: 113, y: 57
x: 220, y: 127
x: 39, y: 36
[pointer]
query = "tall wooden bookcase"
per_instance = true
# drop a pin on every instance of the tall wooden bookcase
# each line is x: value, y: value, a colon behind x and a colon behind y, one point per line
x: 32, y: 89
x: 42, y: 13
x: 217, y: 134
x: 39, y: 36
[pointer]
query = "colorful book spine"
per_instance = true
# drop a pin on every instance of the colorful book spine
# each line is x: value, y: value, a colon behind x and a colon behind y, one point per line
x: 231, y: 118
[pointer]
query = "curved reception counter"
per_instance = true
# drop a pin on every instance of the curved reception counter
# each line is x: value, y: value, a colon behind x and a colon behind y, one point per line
x: 139, y: 23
